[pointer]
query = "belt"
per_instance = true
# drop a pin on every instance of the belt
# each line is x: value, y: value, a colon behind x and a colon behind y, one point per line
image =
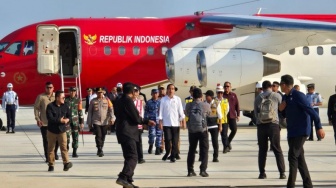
x: 10, y: 104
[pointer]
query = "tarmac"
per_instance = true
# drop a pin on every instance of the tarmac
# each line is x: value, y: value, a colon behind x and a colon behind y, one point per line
x: 22, y: 163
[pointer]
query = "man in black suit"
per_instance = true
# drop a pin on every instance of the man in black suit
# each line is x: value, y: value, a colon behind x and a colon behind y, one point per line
x: 127, y: 121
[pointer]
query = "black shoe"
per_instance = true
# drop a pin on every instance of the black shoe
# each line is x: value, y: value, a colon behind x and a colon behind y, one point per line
x: 56, y: 157
x: 192, y: 173
x: 215, y: 160
x: 101, y: 154
x: 164, y: 158
x: 124, y: 183
x: 282, y: 176
x: 172, y: 160
x: 230, y: 147
x: 67, y: 166
x: 178, y: 157
x: 50, y: 169
x: 14, y: 132
x: 319, y: 139
x: 204, y: 174
x: 140, y: 161
x: 150, y: 149
x: 7, y: 132
x: 157, y: 151
x: 226, y: 149
x: 262, y: 176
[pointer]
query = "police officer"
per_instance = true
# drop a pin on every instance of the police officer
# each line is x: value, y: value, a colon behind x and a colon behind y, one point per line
x: 76, y: 120
x: 10, y: 104
x: 100, y: 115
x: 315, y: 100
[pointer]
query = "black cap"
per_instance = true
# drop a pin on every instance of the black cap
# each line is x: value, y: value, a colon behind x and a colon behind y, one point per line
x: 136, y: 87
x: 192, y: 88
x: 73, y: 89
x: 312, y: 85
x: 209, y: 93
x: 155, y: 91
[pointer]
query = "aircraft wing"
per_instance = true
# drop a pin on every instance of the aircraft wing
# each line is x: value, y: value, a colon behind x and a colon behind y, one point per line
x: 271, y: 34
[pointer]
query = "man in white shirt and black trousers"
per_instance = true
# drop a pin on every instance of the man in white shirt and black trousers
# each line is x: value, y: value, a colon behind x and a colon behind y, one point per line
x: 171, y: 115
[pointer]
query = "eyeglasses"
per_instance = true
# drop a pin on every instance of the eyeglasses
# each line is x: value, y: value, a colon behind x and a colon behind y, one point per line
x: 226, y: 86
x: 49, y: 87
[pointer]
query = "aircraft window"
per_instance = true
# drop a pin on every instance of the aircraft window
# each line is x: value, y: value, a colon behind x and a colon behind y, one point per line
x: 107, y: 50
x: 136, y: 50
x: 333, y: 50
x: 319, y: 50
x: 29, y: 47
x: 305, y: 50
x: 292, y: 51
x: 3, y: 46
x: 122, y: 50
x: 14, y: 48
x: 164, y: 50
x: 150, y: 50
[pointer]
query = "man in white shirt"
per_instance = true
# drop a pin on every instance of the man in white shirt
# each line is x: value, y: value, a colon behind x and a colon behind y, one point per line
x: 171, y: 116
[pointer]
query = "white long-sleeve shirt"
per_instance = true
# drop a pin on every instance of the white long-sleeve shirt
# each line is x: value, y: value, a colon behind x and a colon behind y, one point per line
x: 10, y: 98
x: 171, y: 111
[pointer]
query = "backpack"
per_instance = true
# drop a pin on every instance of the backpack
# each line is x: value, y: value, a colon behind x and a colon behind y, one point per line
x: 268, y: 113
x: 196, y: 121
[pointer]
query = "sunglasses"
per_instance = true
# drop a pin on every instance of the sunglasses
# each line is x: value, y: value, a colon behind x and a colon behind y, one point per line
x: 49, y: 87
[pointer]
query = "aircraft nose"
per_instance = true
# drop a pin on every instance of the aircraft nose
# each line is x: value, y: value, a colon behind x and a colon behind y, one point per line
x: 201, y: 68
x: 170, y: 66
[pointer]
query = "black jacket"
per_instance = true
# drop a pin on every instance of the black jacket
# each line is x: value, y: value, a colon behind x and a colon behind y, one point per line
x: 332, y: 108
x: 54, y: 115
x: 127, y: 119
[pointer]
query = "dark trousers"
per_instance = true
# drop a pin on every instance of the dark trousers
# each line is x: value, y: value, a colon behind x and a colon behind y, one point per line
x: 233, y: 128
x: 44, y: 130
x: 311, y: 137
x: 129, y: 149
x: 101, y: 131
x: 139, y: 146
x: 224, y: 135
x: 334, y: 127
x: 202, y: 137
x: 10, y: 112
x: 269, y: 131
x: 297, y: 160
x: 171, y: 136
x: 214, y: 139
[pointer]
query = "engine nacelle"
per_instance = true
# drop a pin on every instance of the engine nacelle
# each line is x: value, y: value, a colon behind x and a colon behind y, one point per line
x: 180, y: 66
x: 238, y: 66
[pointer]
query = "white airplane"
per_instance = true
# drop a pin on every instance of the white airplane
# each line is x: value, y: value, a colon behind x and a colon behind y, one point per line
x: 258, y: 48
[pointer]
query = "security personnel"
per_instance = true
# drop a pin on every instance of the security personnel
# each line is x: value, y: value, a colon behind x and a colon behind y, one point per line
x: 214, y: 121
x: 315, y: 100
x: 100, y: 115
x: 189, y: 99
x: 10, y: 104
x: 76, y: 120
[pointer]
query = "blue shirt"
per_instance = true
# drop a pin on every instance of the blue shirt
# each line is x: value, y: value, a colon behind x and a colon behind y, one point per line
x: 298, y: 114
x: 314, y: 98
x: 152, y: 110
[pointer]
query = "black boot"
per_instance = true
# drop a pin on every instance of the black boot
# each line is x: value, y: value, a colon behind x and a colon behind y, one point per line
x: 74, y: 153
x: 100, y: 152
x: 150, y: 148
x: 157, y: 151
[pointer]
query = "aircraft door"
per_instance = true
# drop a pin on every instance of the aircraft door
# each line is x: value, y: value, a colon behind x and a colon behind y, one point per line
x: 47, y: 49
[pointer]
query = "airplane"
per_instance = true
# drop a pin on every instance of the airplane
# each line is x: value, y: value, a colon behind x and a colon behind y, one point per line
x: 200, y: 49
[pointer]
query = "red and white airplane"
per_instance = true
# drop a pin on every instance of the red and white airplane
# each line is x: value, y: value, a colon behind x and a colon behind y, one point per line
x: 201, y: 49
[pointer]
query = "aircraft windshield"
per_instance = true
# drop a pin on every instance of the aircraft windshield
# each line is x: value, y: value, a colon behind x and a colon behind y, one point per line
x: 3, y: 46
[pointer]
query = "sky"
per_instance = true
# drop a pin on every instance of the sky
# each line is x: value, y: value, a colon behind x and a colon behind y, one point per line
x: 19, y: 13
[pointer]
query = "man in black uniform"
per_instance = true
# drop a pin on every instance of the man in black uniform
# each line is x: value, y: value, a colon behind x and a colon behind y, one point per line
x: 127, y: 121
x: 332, y: 112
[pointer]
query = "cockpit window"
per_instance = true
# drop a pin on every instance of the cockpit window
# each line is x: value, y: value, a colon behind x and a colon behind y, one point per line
x: 3, y: 46
x: 29, y: 47
x: 14, y: 48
